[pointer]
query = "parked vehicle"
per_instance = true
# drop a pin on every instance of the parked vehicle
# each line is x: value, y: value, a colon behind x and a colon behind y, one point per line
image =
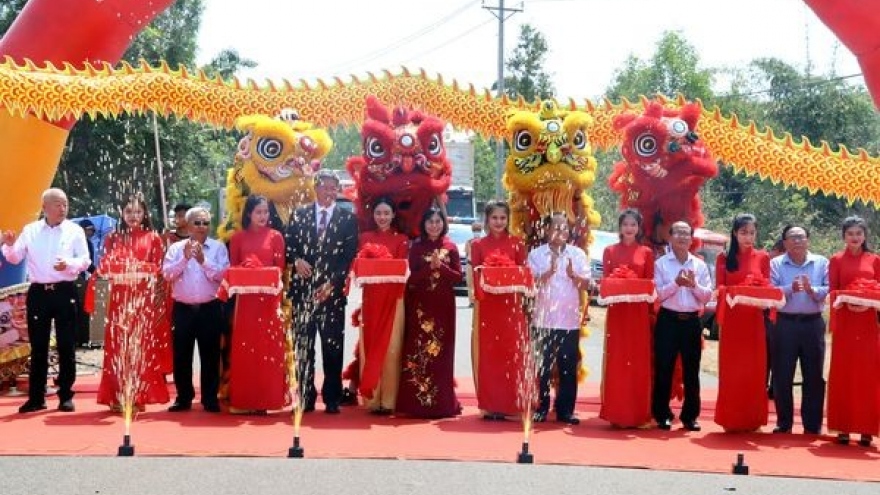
x: 601, y: 240
x: 460, y: 234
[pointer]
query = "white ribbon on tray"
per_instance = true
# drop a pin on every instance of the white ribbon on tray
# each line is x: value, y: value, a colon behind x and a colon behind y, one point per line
x: 755, y: 301
x: 842, y: 299
x: 627, y: 298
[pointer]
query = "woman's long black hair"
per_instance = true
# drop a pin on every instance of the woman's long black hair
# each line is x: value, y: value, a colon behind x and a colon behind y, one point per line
x: 739, y: 221
x: 856, y: 221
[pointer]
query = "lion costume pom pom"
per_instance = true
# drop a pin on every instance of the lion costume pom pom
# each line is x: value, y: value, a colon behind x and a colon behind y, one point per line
x: 277, y: 158
x: 664, y: 165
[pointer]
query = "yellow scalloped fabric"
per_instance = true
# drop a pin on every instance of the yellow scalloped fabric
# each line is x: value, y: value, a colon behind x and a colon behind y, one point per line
x: 52, y: 93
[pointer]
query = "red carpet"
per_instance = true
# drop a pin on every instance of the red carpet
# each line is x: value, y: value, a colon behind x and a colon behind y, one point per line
x: 94, y: 431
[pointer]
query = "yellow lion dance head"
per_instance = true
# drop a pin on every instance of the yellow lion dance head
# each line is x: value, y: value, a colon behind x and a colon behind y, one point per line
x: 277, y: 158
x: 549, y: 168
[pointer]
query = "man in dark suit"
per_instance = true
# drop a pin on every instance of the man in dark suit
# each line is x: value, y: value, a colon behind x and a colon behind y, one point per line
x: 321, y: 241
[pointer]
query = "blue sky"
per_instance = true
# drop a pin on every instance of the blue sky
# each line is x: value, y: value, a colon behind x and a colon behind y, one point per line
x: 588, y: 39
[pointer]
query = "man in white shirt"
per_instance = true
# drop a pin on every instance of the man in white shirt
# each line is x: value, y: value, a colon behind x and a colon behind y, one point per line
x: 684, y: 286
x: 195, y: 268
x: 561, y: 271
x: 56, y: 253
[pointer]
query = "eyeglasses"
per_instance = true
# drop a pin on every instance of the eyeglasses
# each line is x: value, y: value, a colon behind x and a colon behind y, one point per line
x: 796, y: 237
x: 679, y: 233
x: 201, y: 223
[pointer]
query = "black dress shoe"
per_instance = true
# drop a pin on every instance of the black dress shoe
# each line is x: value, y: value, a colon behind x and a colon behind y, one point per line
x: 539, y: 417
x: 780, y: 429
x: 66, y: 406
x: 808, y: 431
x: 331, y: 409
x: 843, y: 439
x: 569, y: 420
x: 494, y: 417
x: 308, y: 407
x: 211, y: 407
x: 31, y: 406
x: 180, y: 406
x: 865, y: 441
x: 381, y: 411
x: 664, y: 424
x: 691, y: 425
x: 349, y: 398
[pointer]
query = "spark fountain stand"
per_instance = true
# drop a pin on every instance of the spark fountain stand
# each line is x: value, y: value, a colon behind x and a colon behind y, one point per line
x: 132, y: 289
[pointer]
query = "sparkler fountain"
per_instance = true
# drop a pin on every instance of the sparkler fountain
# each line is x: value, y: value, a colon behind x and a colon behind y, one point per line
x: 131, y: 334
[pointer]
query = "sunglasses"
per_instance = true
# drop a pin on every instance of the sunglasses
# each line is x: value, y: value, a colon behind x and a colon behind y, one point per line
x: 201, y: 223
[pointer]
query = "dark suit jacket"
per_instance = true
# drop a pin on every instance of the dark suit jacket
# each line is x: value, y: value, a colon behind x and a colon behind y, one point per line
x: 330, y: 255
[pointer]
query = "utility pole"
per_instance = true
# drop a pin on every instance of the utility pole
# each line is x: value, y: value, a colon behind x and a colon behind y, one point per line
x: 502, y: 13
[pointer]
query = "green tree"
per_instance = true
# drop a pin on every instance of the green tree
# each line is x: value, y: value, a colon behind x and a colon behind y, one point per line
x: 9, y: 10
x: 673, y: 69
x: 526, y: 67
x: 527, y: 79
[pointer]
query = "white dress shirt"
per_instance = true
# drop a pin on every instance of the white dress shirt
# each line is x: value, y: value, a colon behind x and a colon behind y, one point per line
x: 43, y: 246
x: 194, y: 283
x: 318, y: 210
x: 678, y: 298
x: 557, y: 303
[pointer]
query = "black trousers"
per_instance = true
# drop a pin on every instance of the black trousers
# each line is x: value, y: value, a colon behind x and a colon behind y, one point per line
x: 47, y: 303
x: 326, y: 320
x: 801, y: 339
x: 558, y: 348
x: 83, y: 319
x: 202, y: 323
x: 676, y: 334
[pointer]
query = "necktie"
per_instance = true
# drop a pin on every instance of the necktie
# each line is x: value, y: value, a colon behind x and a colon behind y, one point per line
x: 322, y: 223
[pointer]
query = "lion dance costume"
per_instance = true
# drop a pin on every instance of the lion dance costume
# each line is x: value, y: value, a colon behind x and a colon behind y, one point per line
x: 277, y: 158
x: 549, y: 169
x: 664, y: 165
x: 404, y: 159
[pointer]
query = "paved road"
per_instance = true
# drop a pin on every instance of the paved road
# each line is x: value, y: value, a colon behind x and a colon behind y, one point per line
x: 236, y: 476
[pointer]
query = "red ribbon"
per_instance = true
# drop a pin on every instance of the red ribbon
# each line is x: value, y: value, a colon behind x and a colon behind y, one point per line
x: 866, y: 284
x: 372, y: 250
x: 623, y: 271
x: 497, y: 258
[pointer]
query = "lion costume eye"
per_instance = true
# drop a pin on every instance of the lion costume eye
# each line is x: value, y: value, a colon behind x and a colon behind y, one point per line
x: 645, y: 145
x: 269, y: 148
x: 522, y: 140
x: 374, y: 148
x: 435, y: 145
x: 677, y: 127
x: 579, y: 141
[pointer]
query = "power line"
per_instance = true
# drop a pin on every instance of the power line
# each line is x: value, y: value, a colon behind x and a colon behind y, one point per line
x: 381, y: 52
x: 447, y: 41
x: 805, y: 85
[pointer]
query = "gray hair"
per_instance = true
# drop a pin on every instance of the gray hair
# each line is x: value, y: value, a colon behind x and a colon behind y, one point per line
x: 195, y: 210
x: 52, y: 193
x: 326, y: 173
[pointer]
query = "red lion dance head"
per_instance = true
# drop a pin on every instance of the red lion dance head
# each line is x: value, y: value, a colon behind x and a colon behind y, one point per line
x: 403, y: 159
x: 664, y: 166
